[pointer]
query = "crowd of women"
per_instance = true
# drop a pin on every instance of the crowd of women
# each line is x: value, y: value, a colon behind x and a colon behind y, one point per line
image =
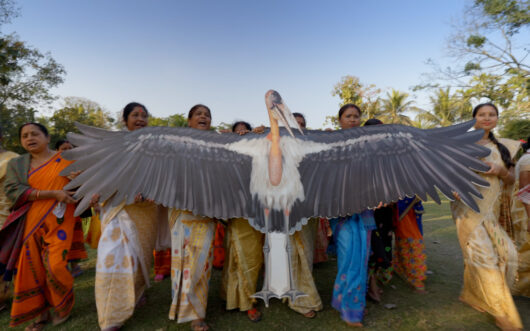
x: 41, y: 240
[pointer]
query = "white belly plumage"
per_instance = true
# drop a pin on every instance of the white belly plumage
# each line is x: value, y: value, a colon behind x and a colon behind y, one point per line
x: 283, y: 196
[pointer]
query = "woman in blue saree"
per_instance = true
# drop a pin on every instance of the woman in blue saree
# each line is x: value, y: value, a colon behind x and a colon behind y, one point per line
x: 352, y: 239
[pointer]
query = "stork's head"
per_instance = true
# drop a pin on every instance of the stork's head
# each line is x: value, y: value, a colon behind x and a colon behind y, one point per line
x: 280, y: 112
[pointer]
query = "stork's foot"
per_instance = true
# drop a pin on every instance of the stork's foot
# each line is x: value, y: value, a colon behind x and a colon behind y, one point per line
x: 293, y: 295
x: 265, y: 295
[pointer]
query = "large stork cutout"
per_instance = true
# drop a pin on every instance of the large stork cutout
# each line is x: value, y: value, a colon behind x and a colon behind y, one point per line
x: 277, y: 180
x: 276, y: 284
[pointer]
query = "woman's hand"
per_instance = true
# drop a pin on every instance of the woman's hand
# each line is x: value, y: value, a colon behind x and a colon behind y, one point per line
x: 259, y: 129
x: 140, y: 198
x: 73, y: 174
x: 495, y: 170
x: 65, y: 196
x: 456, y: 196
x: 243, y: 132
x: 94, y: 202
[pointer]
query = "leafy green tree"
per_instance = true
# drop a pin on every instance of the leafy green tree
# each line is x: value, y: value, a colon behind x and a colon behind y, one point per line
x: 447, y: 109
x: 492, y: 56
x: 26, y: 77
x: 394, y: 106
x: 77, y: 110
x: 516, y: 129
x: 350, y: 90
x: 176, y: 120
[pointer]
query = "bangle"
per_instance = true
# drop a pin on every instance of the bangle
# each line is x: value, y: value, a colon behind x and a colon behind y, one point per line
x: 37, y: 197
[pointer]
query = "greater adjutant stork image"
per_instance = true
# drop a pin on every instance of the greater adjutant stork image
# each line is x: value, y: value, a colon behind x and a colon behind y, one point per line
x: 279, y: 179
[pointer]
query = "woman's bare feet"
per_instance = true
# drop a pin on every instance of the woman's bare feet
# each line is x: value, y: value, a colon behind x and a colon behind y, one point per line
x: 199, y: 325
x: 374, y: 292
x: 310, y: 314
x: 40, y: 323
x: 504, y: 324
x: 355, y: 325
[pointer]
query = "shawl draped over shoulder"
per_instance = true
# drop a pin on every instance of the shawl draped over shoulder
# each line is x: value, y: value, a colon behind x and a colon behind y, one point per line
x: 17, y: 191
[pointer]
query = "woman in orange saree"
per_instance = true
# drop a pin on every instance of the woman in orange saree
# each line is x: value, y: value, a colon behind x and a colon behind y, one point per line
x: 34, y: 186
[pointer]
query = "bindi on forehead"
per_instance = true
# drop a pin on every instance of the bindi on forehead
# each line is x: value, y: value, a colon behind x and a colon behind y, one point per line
x: 140, y: 111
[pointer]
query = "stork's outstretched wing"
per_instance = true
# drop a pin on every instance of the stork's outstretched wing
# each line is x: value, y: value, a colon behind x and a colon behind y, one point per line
x: 368, y: 165
x: 204, y: 178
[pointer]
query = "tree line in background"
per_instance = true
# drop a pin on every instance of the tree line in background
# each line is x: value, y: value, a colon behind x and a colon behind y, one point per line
x: 490, y: 60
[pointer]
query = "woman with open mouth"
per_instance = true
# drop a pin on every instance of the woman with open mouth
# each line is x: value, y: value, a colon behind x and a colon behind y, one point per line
x: 192, y: 247
x: 126, y: 246
x: 38, y: 233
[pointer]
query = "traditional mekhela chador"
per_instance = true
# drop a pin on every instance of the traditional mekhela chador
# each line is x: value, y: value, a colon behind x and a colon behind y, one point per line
x: 280, y: 179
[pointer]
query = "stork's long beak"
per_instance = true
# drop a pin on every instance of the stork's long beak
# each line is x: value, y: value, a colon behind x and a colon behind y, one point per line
x: 280, y: 111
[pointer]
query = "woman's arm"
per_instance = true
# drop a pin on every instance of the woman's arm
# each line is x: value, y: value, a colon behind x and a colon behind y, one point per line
x: 506, y: 175
x: 59, y: 195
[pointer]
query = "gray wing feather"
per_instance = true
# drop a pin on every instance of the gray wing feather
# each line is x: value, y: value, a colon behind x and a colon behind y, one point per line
x: 176, y: 167
x: 369, y: 165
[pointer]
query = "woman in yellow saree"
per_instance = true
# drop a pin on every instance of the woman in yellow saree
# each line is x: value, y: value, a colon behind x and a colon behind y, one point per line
x: 192, y: 247
x: 43, y: 213
x: 490, y: 257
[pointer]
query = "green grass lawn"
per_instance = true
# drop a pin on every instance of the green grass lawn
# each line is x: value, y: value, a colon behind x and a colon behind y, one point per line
x: 439, y: 309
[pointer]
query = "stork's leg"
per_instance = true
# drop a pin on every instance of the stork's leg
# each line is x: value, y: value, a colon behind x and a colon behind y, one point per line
x: 292, y: 293
x: 265, y: 294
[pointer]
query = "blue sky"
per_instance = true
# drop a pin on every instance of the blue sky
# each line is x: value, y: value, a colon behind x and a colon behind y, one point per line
x: 171, y: 55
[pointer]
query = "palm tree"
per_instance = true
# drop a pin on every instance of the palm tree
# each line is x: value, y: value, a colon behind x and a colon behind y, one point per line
x: 394, y: 106
x: 446, y: 110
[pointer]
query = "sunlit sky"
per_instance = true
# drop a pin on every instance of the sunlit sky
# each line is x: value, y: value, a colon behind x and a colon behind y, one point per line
x: 171, y: 55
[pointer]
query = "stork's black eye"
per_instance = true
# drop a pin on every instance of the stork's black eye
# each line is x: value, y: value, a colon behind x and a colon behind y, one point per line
x: 276, y: 98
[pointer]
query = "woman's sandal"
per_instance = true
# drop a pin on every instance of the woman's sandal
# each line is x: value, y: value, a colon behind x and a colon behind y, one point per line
x: 199, y: 325
x: 254, y: 315
x: 159, y: 278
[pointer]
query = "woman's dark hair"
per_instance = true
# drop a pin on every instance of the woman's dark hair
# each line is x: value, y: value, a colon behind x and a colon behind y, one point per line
x: 41, y: 127
x: 505, y: 153
x: 526, y: 145
x: 372, y: 121
x: 130, y: 107
x: 59, y: 143
x: 301, y: 116
x: 197, y: 106
x: 247, y: 125
x: 347, y: 106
